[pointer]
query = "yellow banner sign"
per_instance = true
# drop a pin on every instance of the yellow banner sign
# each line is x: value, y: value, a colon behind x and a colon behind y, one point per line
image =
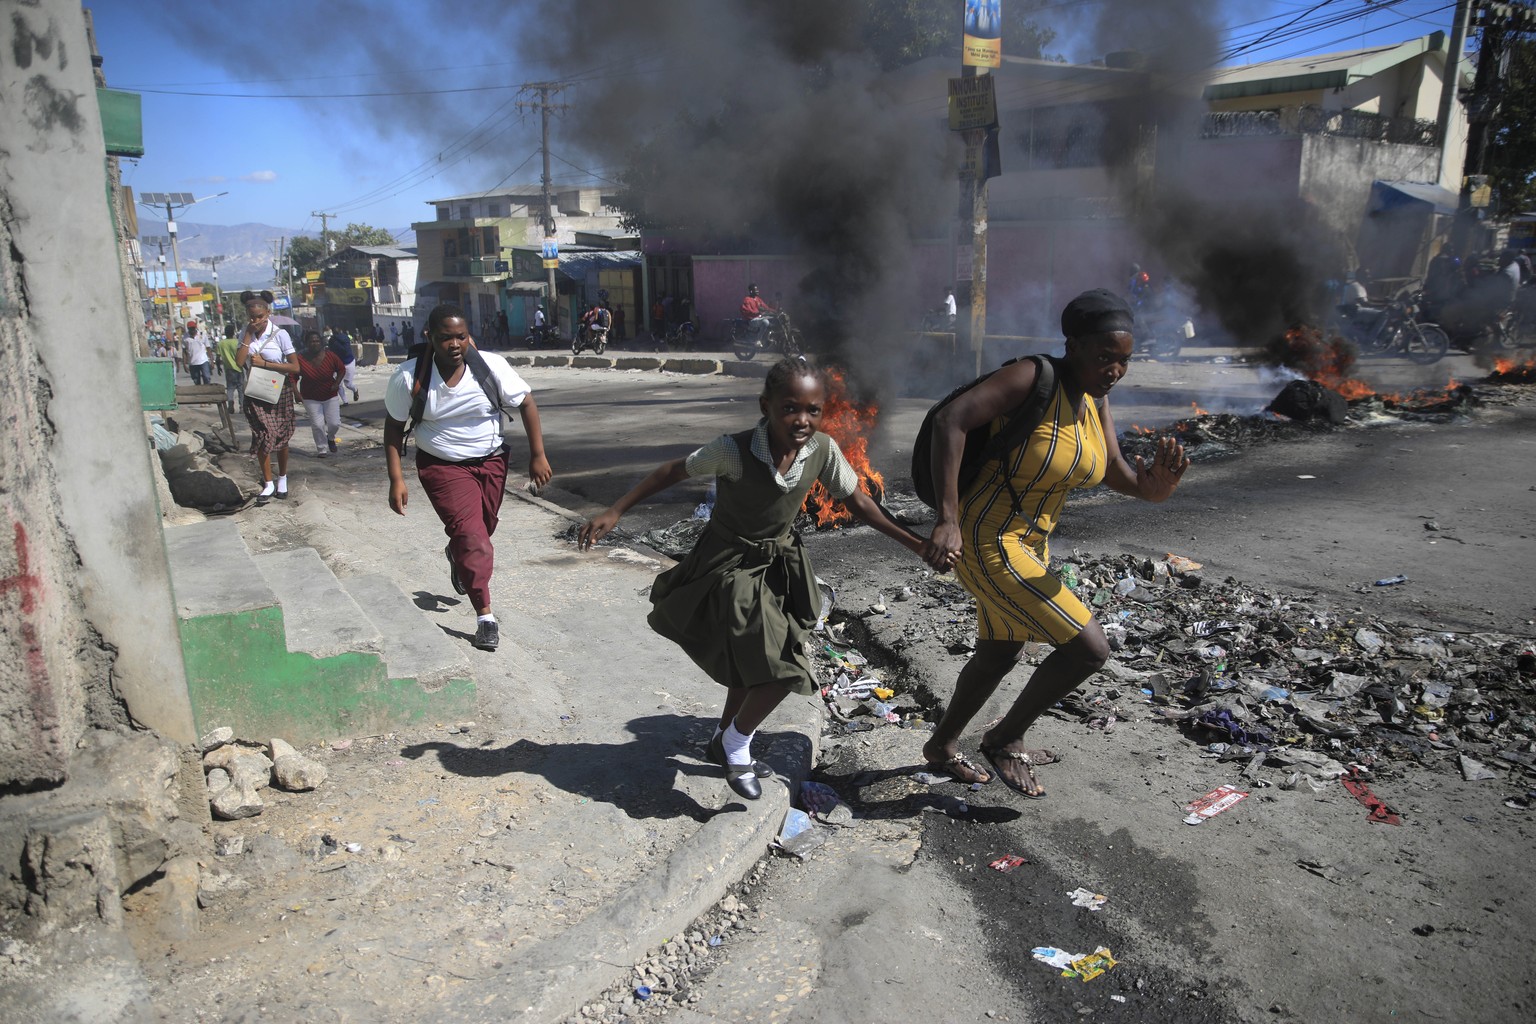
x: 551, y: 264
x: 972, y: 103
x: 362, y: 282
x: 346, y: 296
x: 311, y: 275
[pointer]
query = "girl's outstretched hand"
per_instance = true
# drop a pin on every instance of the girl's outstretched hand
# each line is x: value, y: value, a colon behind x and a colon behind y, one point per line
x: 596, y: 528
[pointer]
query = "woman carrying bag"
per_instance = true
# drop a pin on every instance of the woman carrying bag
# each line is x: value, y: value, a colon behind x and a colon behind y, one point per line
x: 266, y: 352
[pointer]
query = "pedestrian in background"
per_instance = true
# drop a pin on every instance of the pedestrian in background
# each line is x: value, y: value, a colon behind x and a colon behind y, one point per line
x: 341, y: 344
x: 234, y: 380
x: 265, y: 346
x: 461, y: 452
x: 743, y: 601
x: 394, y: 335
x: 321, y: 372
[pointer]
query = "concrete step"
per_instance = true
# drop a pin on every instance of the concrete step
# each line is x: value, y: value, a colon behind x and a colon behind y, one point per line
x: 413, y: 647
x: 212, y: 572
x: 319, y: 617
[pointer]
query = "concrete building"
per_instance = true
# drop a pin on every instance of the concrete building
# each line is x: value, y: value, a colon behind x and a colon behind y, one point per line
x: 465, y: 252
x: 364, y: 285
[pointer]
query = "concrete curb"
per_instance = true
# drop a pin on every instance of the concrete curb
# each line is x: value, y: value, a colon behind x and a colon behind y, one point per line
x: 740, y: 369
x: 552, y: 980
x: 690, y: 365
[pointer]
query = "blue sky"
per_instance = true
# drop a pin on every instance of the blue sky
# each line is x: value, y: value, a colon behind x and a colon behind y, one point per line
x: 280, y: 159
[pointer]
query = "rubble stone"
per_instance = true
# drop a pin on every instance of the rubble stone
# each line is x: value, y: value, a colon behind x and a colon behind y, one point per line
x: 277, y: 748
x: 229, y: 845
x: 218, y: 782
x: 296, y: 773
x: 215, y: 738
x: 252, y: 769
x: 237, y: 801
x: 224, y: 757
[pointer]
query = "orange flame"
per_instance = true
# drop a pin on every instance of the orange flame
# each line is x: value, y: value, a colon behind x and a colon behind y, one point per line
x: 850, y: 425
x: 1198, y: 411
x: 1508, y: 371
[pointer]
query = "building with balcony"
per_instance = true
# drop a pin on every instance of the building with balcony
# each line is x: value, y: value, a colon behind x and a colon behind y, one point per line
x: 467, y: 251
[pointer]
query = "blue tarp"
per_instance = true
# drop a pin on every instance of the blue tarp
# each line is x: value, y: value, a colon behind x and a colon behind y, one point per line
x: 1388, y: 196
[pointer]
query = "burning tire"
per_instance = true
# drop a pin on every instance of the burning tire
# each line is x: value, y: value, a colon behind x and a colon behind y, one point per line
x: 1424, y: 343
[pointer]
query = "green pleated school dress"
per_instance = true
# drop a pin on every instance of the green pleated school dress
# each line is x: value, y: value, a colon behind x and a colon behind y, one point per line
x: 744, y: 600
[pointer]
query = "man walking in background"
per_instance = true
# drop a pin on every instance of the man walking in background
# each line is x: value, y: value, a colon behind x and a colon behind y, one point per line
x: 197, y: 355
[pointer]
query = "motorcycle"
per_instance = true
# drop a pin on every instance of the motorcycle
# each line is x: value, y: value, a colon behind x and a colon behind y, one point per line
x: 1162, y: 337
x: 540, y: 336
x: 777, y: 336
x: 937, y: 321
x: 590, y: 336
x: 677, y: 337
x: 1392, y: 330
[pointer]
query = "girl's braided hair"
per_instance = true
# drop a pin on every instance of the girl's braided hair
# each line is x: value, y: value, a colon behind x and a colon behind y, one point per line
x: 786, y: 370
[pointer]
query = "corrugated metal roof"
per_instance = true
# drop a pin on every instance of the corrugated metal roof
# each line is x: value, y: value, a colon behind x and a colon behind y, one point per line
x: 393, y: 252
x: 1318, y: 71
x: 598, y: 260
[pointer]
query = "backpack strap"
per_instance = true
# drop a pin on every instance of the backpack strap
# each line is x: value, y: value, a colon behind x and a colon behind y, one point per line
x: 1029, y: 415
x: 422, y: 382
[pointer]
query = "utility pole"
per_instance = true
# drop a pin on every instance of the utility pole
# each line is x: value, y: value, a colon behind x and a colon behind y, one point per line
x: 218, y: 297
x: 325, y: 234
x: 544, y: 106
x: 1452, y: 82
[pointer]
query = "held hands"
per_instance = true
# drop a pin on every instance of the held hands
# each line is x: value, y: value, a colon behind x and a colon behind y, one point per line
x: 596, y: 528
x: 942, y: 550
x: 1156, y: 478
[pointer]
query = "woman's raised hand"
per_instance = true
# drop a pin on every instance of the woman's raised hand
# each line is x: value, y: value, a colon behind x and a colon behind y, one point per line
x: 1156, y: 478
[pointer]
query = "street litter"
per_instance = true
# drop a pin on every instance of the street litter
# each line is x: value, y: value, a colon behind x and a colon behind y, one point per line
x: 823, y: 803
x: 1392, y: 581
x: 800, y: 835
x: 1475, y: 771
x: 1182, y: 565
x: 931, y: 779
x: 1086, y: 966
x: 1007, y: 863
x: 1213, y: 803
x: 1373, y: 803
x: 1084, y: 898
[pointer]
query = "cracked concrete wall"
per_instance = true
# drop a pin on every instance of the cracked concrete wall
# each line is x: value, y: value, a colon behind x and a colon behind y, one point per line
x: 88, y: 632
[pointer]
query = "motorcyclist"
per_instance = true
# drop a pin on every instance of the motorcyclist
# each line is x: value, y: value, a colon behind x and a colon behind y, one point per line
x: 755, y: 311
x: 1443, y: 280
x: 1140, y: 287
x: 538, y: 318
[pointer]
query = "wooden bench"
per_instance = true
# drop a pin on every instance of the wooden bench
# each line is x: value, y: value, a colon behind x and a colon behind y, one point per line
x: 210, y: 394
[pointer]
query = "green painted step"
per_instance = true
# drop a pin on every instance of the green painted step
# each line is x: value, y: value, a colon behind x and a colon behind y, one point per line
x: 275, y: 646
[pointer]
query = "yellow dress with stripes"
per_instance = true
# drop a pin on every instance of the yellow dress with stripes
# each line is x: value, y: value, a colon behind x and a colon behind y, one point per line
x: 1004, y: 556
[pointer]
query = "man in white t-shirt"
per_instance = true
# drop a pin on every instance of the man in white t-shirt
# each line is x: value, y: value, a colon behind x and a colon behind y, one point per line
x: 461, y: 455
x: 197, y: 355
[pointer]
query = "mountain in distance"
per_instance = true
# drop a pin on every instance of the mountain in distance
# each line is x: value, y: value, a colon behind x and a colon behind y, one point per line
x: 248, y: 250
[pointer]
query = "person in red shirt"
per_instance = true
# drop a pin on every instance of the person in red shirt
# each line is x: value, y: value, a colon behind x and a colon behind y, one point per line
x: 321, y: 372
x: 755, y: 311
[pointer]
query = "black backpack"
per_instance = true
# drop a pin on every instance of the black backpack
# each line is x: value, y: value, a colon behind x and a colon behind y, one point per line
x: 422, y: 381
x: 979, y: 448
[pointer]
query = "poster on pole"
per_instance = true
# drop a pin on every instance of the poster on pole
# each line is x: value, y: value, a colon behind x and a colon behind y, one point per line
x: 551, y: 253
x: 983, y: 45
x: 972, y: 103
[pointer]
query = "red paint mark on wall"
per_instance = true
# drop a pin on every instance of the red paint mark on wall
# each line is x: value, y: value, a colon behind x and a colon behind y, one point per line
x: 24, y: 581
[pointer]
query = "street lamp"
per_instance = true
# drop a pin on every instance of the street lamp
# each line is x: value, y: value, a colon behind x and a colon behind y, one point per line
x: 173, y: 201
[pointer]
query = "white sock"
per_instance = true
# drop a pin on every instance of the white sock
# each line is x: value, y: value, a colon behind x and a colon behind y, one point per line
x: 268, y: 488
x: 282, y: 482
x: 738, y: 748
x: 487, y: 617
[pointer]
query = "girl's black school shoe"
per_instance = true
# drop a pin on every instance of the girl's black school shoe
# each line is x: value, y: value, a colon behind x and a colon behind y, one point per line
x: 715, y: 752
x: 745, y: 786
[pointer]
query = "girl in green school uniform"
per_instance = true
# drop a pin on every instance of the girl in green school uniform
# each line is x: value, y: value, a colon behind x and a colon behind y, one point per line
x: 743, y: 601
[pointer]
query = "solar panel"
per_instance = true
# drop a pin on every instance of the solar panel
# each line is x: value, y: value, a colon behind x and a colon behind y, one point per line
x: 152, y: 197
x: 182, y: 198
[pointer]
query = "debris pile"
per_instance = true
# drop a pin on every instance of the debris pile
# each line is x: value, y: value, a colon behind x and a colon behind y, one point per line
x: 1267, y: 679
x: 237, y: 770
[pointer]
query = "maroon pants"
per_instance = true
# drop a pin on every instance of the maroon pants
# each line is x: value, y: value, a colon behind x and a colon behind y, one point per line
x: 467, y: 497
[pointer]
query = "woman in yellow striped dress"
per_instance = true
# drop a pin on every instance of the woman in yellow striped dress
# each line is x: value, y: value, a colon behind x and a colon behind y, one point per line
x: 996, y: 533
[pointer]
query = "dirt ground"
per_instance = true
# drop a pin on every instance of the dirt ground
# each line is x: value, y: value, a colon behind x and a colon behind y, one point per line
x: 1290, y: 907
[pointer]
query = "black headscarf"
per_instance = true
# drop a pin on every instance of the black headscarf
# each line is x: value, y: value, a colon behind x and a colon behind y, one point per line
x: 1099, y: 311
